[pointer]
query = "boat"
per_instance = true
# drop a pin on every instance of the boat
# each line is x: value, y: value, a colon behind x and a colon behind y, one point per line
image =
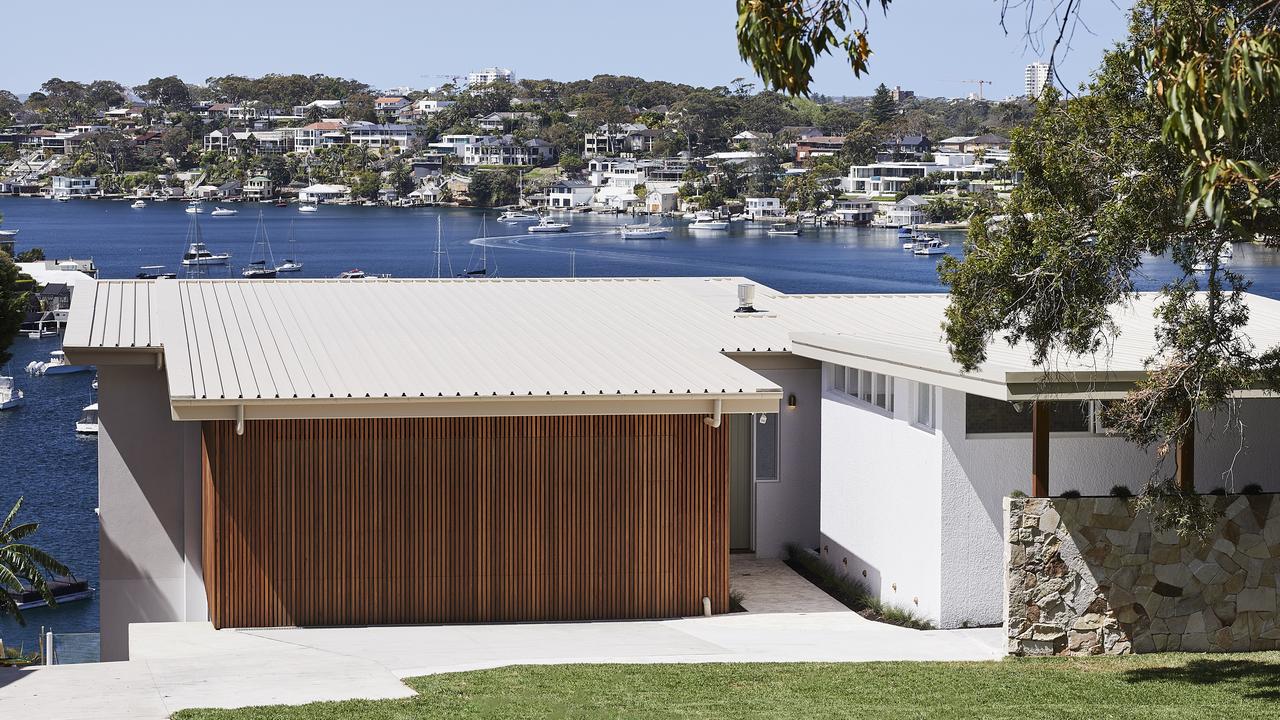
x: 154, y: 272
x: 707, y: 221
x: 908, y: 237
x: 199, y: 254
x: 159, y: 198
x: 291, y: 263
x: 194, y: 210
x: 784, y: 229
x: 138, y: 204
x: 547, y: 225
x: 483, y: 270
x: 58, y: 364
x: 262, y: 264
x: 88, y: 422
x: 64, y: 589
x: 10, y: 396
x: 282, y: 203
x: 307, y: 208
x: 368, y: 203
x: 352, y: 274
x: 62, y: 198
x: 1224, y: 257
x: 516, y: 216
x: 932, y: 246
x: 223, y: 212
x: 8, y: 233
x: 642, y: 231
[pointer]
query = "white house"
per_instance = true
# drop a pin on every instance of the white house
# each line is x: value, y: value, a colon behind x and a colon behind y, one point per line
x: 319, y: 134
x: 258, y: 187
x: 382, y: 136
x: 506, y: 150
x: 322, y: 192
x: 907, y: 212
x: 490, y: 75
x: 325, y: 106
x: 618, y: 138
x: 569, y: 193
x: 888, y: 178
x: 763, y: 208
x: 68, y: 186
x: 854, y: 211
x: 498, y: 121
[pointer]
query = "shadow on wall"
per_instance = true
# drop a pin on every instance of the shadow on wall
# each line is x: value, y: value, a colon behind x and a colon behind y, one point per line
x: 129, y: 595
x: 856, y: 568
x: 1256, y: 680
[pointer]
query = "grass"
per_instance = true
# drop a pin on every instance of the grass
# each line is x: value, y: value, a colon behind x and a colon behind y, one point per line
x: 1169, y: 687
x: 849, y: 591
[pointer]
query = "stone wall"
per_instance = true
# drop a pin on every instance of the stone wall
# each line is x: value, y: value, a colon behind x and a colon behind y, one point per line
x: 1088, y: 576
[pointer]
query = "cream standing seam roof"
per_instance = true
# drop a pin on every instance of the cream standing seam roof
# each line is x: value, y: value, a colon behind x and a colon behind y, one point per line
x: 109, y: 314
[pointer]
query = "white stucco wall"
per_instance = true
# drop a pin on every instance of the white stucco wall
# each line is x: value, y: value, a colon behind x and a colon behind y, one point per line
x: 149, y: 507
x: 787, y: 511
x: 881, y: 500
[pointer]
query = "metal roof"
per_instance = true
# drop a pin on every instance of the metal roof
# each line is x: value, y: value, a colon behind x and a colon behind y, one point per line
x: 112, y: 314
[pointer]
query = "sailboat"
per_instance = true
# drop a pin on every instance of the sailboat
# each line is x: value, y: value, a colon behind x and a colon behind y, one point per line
x: 643, y: 231
x: 291, y: 263
x: 483, y: 270
x: 198, y: 256
x: 440, y: 251
x: 264, y: 267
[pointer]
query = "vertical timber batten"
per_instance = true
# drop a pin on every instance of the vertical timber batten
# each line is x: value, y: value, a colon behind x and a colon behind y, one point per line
x: 414, y: 520
x: 1040, y: 422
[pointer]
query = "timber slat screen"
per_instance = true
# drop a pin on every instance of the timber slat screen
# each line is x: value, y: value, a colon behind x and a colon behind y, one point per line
x: 420, y: 520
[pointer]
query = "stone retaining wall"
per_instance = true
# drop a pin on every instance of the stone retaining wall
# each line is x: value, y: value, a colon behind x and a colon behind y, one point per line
x: 1088, y: 576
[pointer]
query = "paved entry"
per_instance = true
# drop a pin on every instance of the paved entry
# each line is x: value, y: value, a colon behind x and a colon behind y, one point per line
x: 769, y: 586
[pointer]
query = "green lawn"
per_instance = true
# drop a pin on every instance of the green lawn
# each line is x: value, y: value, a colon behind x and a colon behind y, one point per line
x: 1147, y: 686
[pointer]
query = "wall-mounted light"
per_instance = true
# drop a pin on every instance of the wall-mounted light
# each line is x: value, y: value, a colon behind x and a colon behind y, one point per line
x: 791, y: 401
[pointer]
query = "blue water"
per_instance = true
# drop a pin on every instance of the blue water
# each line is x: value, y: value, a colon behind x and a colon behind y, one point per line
x: 42, y: 460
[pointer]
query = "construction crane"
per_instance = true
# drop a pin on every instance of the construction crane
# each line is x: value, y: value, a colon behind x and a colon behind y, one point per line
x: 453, y: 79
x: 979, y: 83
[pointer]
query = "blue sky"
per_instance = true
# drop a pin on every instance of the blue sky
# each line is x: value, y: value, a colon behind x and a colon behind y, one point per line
x: 929, y: 46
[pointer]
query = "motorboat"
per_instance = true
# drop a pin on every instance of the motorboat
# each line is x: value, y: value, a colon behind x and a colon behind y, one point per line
x: 932, y: 246
x: 194, y: 210
x: 352, y: 274
x: 643, y: 232
x: 516, y: 216
x: 784, y: 229
x: 199, y: 254
x: 58, y: 364
x: 307, y: 208
x: 258, y: 270
x: 62, y: 198
x: 282, y: 203
x: 88, y: 422
x: 64, y: 589
x: 289, y: 266
x: 9, y: 234
x: 223, y: 212
x: 708, y: 221
x: 10, y: 396
x: 138, y: 204
x: 908, y: 237
x: 547, y: 225
x: 154, y: 272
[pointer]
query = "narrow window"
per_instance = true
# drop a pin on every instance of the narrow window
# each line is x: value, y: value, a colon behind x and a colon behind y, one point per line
x: 924, y: 405
x: 865, y: 385
x: 853, y: 381
x: 882, y: 392
x: 766, y: 447
x: 837, y: 378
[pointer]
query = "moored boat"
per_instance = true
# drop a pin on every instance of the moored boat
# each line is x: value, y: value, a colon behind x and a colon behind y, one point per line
x: 223, y: 212
x: 643, y: 232
x: 547, y: 225
x: 88, y: 422
x: 707, y: 221
x: 932, y: 246
x: 307, y: 208
x: 63, y: 589
x: 58, y: 364
x: 516, y: 216
x: 199, y: 254
x: 138, y: 204
x: 154, y: 272
x: 352, y: 274
x: 784, y: 229
x: 10, y: 396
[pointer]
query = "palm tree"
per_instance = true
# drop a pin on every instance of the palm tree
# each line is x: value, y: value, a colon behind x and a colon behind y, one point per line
x: 20, y: 561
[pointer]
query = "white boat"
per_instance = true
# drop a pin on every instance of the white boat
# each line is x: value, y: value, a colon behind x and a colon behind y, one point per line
x: 10, y: 396
x: 194, y: 210
x: 352, y: 274
x: 307, y: 208
x: 908, y: 236
x: 88, y: 422
x: 199, y: 254
x: 1224, y: 257
x: 933, y: 246
x: 291, y: 263
x: 154, y: 272
x: 59, y: 365
x: 707, y: 221
x: 547, y: 225
x: 643, y: 232
x: 138, y: 204
x: 8, y: 233
x: 62, y: 198
x: 223, y: 212
x: 262, y: 263
x: 784, y: 229
x: 516, y: 216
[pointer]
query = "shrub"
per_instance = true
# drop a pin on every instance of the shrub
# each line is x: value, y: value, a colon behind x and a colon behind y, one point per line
x: 852, y: 593
x: 1070, y: 494
x: 1251, y: 489
x: 1121, y: 491
x: 1017, y: 494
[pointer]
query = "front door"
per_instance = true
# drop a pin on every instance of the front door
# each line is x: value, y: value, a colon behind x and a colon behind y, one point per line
x: 741, y: 487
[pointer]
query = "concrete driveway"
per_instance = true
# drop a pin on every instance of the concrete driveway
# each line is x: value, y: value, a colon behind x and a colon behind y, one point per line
x: 184, y: 665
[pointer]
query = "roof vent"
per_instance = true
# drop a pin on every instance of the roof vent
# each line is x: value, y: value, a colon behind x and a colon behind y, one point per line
x: 746, y: 298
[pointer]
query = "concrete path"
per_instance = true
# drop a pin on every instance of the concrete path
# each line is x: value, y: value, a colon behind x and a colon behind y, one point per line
x: 183, y: 665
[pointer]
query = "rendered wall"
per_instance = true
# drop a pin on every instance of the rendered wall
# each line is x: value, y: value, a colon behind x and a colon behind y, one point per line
x: 881, y: 500
x: 149, y: 507
x: 787, y: 511
x: 1089, y: 576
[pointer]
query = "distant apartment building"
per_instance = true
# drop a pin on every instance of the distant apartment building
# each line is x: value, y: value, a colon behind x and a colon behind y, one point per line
x: 490, y: 75
x: 70, y: 186
x: 1035, y: 77
x: 506, y: 150
x: 898, y: 94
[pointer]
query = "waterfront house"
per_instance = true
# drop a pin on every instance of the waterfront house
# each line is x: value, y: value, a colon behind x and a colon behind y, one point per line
x: 69, y: 186
x: 569, y: 193
x: 763, y: 208
x: 906, y: 212
x: 382, y: 136
x: 854, y: 210
x: 506, y: 150
x: 258, y: 187
x: 319, y: 134
x: 322, y: 192
x: 955, y: 170
x: 637, y: 431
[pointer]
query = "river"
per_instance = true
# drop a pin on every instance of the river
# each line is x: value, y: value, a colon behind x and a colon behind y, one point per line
x: 42, y: 459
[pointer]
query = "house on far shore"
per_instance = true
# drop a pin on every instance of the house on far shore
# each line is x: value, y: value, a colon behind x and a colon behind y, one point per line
x: 907, y: 212
x: 70, y: 187
x: 569, y: 193
x: 763, y: 208
x: 509, y: 450
x: 258, y: 187
x: 323, y: 192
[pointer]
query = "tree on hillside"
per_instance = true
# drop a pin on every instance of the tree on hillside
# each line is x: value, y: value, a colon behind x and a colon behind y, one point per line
x: 168, y: 92
x: 104, y: 94
x: 19, y: 560
x: 882, y: 107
